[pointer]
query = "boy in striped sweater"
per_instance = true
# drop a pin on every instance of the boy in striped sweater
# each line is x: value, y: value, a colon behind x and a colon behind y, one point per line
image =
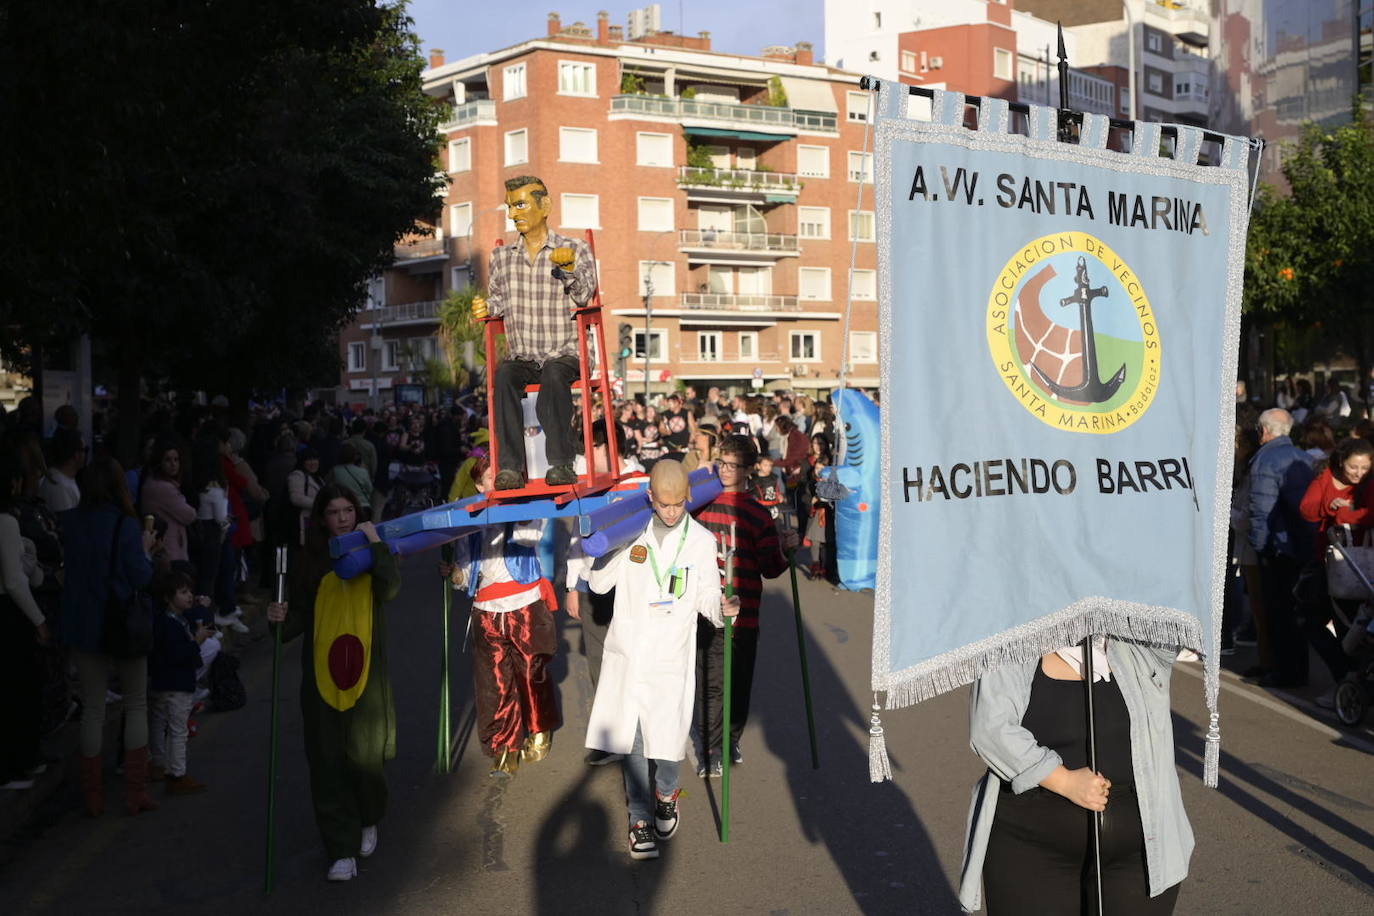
x: 759, y: 554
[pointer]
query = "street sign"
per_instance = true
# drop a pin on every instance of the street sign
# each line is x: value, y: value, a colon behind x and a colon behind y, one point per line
x: 756, y: 382
x: 758, y: 374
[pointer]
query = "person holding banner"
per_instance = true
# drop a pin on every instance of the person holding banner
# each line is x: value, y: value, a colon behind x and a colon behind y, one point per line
x: 346, y: 704
x: 1029, y: 844
x: 663, y: 580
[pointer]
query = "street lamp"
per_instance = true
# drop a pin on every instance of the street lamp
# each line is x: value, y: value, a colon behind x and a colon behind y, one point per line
x: 1130, y: 55
x: 649, y: 306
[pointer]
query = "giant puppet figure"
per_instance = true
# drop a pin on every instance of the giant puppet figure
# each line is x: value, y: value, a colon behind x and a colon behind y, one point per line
x: 858, y: 467
x: 536, y: 285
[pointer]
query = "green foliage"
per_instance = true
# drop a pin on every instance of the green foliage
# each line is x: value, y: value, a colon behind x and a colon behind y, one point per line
x: 777, y: 96
x: 631, y: 84
x: 698, y: 157
x: 689, y: 93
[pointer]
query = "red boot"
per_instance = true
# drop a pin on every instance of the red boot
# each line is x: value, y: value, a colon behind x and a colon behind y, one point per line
x: 92, y: 793
x: 136, y: 798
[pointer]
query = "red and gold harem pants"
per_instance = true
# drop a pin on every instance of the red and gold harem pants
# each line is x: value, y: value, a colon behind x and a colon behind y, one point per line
x: 510, y: 673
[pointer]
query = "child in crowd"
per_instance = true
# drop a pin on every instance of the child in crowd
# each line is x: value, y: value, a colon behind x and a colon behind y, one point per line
x: 766, y: 485
x: 663, y: 580
x: 172, y: 670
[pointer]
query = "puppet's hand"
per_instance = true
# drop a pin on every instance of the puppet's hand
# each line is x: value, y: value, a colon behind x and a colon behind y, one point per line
x: 565, y: 258
x: 479, y: 308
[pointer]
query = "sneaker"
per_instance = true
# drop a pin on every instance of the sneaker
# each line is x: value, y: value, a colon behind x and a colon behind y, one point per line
x: 112, y: 697
x: 1245, y: 638
x: 597, y: 758
x: 1227, y: 650
x: 369, y: 844
x: 561, y: 475
x: 1326, y: 700
x: 28, y: 784
x: 231, y: 622
x: 184, y: 784
x: 343, y: 870
x: 665, y: 816
x: 642, y: 842
x: 510, y: 480
x: 1187, y: 655
x: 735, y: 756
x: 709, y: 768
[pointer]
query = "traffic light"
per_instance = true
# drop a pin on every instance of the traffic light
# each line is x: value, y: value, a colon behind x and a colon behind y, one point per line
x: 627, y: 348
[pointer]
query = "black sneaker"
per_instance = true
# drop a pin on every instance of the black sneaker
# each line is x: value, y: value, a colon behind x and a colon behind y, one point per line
x: 709, y: 767
x: 510, y: 480
x: 642, y: 842
x: 597, y: 758
x: 735, y: 756
x: 561, y: 475
x: 665, y: 816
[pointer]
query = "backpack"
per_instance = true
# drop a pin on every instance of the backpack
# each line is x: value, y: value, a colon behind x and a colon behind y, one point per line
x: 226, y: 690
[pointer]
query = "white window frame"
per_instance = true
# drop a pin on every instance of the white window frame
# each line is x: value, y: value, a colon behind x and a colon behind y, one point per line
x: 1003, y: 64
x: 1154, y: 82
x: 661, y: 269
x: 858, y: 216
x: 460, y: 226
x: 857, y: 106
x: 753, y: 339
x: 813, y: 272
x: 391, y: 356
x: 819, y: 216
x: 908, y: 59
x: 566, y: 67
x: 639, y: 149
x: 1154, y: 43
x: 595, y: 220
x: 803, y: 173
x: 792, y: 339
x: 513, y: 83
x: 865, y: 171
x: 564, y: 153
x: 867, y: 291
x: 524, y: 135
x: 746, y: 158
x: 460, y: 155
x: 357, y: 356
x: 1124, y: 93
x: 651, y: 224
x: 718, y: 346
x: 658, y: 340
x: 868, y: 353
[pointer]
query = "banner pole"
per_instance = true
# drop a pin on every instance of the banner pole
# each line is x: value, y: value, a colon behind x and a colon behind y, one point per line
x: 270, y: 870
x: 1092, y: 765
x: 805, y: 669
x: 442, y: 761
x: 728, y: 661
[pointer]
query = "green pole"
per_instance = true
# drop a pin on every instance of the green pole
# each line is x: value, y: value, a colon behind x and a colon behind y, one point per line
x: 270, y: 872
x: 805, y: 670
x: 728, y: 661
x: 443, y: 761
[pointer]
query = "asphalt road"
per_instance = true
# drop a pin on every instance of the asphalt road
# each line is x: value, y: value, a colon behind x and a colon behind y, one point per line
x: 1291, y: 830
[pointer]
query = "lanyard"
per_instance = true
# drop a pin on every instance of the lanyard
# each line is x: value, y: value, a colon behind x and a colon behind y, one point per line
x: 658, y: 576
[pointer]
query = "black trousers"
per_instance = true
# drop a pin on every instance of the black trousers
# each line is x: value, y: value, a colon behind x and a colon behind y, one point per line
x: 1039, y: 860
x: 1279, y: 574
x: 553, y: 405
x: 596, y: 611
x: 21, y: 684
x: 710, y: 710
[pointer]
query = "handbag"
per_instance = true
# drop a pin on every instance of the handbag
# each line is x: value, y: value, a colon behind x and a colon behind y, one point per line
x: 1343, y: 581
x: 128, y: 629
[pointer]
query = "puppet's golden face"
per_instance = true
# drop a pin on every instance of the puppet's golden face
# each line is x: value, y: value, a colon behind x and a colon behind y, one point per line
x: 527, y: 212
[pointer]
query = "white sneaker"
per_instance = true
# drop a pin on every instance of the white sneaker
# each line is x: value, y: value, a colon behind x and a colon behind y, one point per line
x: 1188, y: 655
x: 343, y: 870
x: 18, y: 784
x: 369, y: 845
x: 231, y: 622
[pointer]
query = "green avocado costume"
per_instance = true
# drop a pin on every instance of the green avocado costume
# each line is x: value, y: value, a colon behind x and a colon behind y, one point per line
x: 346, y: 703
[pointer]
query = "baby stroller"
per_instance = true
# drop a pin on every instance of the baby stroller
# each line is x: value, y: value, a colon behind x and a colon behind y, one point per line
x: 1347, y: 577
x: 414, y: 487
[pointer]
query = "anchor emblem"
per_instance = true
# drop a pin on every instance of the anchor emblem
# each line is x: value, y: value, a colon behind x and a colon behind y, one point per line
x: 1092, y: 390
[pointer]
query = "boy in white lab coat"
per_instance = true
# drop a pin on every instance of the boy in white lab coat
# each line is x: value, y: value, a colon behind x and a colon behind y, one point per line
x: 663, y: 580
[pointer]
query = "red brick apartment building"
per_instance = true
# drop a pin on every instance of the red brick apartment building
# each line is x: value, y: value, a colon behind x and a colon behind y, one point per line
x: 745, y: 249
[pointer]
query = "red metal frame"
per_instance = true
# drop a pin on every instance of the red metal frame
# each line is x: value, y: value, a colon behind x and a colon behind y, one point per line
x: 589, y: 320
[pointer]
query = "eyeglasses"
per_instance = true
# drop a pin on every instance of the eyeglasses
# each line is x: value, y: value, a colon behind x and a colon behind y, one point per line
x: 732, y: 465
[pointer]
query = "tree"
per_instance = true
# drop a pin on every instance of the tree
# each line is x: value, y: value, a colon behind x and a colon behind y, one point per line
x: 457, y: 327
x: 205, y: 186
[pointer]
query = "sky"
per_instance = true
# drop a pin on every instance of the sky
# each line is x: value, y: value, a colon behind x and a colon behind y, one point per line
x: 464, y: 27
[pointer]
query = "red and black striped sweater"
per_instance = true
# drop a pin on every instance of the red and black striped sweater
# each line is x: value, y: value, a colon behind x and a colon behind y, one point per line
x: 758, y: 552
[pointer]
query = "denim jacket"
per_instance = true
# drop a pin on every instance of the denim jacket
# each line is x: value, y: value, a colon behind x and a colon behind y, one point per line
x: 1280, y: 473
x: 1000, y: 698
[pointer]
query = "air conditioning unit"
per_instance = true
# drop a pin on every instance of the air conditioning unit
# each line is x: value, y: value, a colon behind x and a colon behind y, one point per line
x: 936, y: 63
x: 798, y: 370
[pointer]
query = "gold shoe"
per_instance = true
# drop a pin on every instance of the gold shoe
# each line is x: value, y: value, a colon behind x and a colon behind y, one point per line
x: 537, y: 747
x: 507, y: 762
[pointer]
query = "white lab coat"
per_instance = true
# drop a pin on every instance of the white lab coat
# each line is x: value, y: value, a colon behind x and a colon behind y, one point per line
x: 648, y: 670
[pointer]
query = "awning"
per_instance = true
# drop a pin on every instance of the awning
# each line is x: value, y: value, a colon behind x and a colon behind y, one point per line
x: 809, y: 95
x: 740, y: 134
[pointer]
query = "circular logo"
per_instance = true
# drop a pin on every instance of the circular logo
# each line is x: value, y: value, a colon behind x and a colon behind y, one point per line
x: 1072, y: 334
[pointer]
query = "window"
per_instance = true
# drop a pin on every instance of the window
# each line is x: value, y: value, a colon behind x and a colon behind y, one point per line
x: 861, y: 166
x: 1153, y: 42
x: 755, y: 281
x: 391, y: 356
x: 863, y: 347
x: 720, y: 280
x: 864, y: 284
x: 517, y: 147
x: 576, y: 79
x: 513, y: 83
x: 1181, y: 88
x: 460, y: 220
x: 720, y: 156
x: 1155, y: 83
x: 658, y: 344
x: 577, y: 144
x: 745, y: 158
x: 861, y: 226
x: 857, y: 105
x: 357, y: 356
x: 813, y: 162
x: 460, y: 155
x: 748, y: 344
x: 581, y: 211
x: 1001, y: 64
x: 909, y: 61
x: 662, y: 274
x: 655, y: 214
x: 806, y: 346
x: 654, y: 150
x: 421, y: 350
x: 877, y: 22
x: 708, y: 346
x: 813, y: 222
x: 1125, y: 95
x: 814, y: 283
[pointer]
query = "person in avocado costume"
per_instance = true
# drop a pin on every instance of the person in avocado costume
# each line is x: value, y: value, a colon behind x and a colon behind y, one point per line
x: 346, y: 703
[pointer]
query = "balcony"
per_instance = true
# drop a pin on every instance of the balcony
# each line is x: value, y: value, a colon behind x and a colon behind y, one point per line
x: 474, y: 112
x: 1185, y: 21
x: 727, y: 302
x: 707, y: 245
x: 398, y: 315
x: 764, y: 118
x: 771, y: 187
x: 700, y: 360
x: 420, y: 250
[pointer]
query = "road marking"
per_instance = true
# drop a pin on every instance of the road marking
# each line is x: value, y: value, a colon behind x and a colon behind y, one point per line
x: 1284, y: 710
